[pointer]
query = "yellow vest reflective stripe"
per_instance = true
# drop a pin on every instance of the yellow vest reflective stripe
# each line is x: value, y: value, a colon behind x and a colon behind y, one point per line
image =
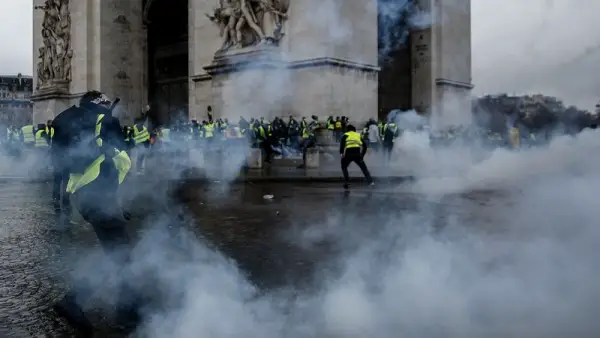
x: 77, y: 181
x: 40, y: 141
x: 140, y: 136
x: 391, y: 126
x: 50, y: 131
x: 98, y: 129
x: 209, y: 130
x: 353, y: 140
x: 28, y: 136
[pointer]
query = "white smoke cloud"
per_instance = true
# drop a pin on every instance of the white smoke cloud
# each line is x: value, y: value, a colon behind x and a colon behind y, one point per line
x: 517, y: 262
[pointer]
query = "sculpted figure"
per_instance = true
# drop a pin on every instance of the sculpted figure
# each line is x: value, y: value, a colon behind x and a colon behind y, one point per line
x: 55, y: 52
x: 226, y: 17
x: 248, y: 22
x: 251, y: 20
x: 273, y: 13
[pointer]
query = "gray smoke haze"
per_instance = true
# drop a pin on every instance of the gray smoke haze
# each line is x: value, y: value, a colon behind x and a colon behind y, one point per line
x: 534, y: 275
x: 549, y: 47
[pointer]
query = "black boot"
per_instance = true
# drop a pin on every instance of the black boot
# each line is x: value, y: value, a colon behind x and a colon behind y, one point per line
x: 73, y: 314
x: 127, y: 319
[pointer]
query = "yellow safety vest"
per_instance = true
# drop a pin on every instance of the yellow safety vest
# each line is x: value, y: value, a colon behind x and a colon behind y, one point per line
x: 262, y: 135
x: 40, y: 141
x: 338, y: 124
x: 28, y: 137
x: 50, y: 132
x: 330, y: 125
x: 121, y: 161
x: 140, y: 136
x: 353, y: 140
x: 209, y: 130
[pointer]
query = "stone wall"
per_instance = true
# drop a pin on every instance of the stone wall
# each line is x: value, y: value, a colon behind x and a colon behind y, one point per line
x: 326, y: 64
x: 121, y: 65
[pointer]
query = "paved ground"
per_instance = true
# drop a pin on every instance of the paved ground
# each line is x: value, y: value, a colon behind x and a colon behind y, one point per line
x: 241, y: 220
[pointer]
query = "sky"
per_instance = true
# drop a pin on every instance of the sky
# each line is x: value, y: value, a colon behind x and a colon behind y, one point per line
x: 533, y: 46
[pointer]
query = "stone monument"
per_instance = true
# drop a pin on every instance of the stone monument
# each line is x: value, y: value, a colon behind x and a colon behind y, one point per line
x: 54, y: 72
x: 249, y: 57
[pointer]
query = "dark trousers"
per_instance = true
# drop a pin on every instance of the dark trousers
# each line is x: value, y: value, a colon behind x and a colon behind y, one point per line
x: 387, y: 149
x: 60, y: 197
x: 356, y: 157
x: 307, y: 143
x: 338, y: 135
x: 98, y: 204
x: 268, y: 151
x: 140, y: 152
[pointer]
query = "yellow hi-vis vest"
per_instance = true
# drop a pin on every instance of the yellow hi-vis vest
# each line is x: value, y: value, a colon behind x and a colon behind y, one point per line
x: 140, y: 136
x: 121, y: 161
x: 40, y: 141
x: 353, y: 140
x: 28, y: 137
x: 50, y: 132
x: 209, y: 130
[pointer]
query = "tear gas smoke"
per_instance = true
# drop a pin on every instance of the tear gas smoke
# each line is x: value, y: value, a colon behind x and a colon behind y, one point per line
x: 533, y: 275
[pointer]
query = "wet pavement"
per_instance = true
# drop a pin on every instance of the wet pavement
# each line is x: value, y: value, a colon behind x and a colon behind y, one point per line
x: 242, y: 221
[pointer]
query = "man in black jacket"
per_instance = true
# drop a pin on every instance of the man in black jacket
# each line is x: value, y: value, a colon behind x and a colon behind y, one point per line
x: 89, y: 145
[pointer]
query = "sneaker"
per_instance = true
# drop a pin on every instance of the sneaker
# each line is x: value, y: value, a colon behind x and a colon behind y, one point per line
x: 372, y: 184
x: 346, y: 186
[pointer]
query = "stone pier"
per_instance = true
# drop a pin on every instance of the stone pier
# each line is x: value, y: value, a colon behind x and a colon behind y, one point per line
x: 273, y: 58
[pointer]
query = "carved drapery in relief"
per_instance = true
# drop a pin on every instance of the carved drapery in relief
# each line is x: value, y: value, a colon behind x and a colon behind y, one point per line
x: 55, y: 53
x: 244, y: 23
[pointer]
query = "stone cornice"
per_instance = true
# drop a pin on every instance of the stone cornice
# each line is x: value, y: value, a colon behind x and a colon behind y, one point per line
x: 452, y: 83
x: 258, y: 59
x: 49, y: 95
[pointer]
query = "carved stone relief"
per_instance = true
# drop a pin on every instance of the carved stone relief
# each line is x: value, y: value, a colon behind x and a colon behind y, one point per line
x: 245, y: 23
x: 55, y: 53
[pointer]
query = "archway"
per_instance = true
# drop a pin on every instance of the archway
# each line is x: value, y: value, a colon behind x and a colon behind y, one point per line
x: 168, y: 92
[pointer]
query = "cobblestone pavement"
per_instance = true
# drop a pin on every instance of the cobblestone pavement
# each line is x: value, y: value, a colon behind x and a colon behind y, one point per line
x: 27, y: 248
x: 242, y: 223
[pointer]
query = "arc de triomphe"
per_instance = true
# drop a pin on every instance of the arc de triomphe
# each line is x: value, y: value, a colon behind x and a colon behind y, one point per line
x: 253, y: 57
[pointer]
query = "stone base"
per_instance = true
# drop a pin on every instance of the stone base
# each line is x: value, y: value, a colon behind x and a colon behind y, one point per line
x: 255, y: 160
x: 261, y: 83
x: 312, y: 158
x: 50, y: 100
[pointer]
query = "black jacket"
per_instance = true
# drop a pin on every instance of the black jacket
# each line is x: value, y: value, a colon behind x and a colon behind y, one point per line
x: 74, y: 145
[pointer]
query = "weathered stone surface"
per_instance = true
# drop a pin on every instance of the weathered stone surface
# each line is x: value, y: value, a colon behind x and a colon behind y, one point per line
x: 326, y: 63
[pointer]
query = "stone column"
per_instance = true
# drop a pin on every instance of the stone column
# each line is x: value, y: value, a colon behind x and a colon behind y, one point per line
x: 122, y: 42
x: 441, y: 62
x: 105, y: 40
x: 55, y: 55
